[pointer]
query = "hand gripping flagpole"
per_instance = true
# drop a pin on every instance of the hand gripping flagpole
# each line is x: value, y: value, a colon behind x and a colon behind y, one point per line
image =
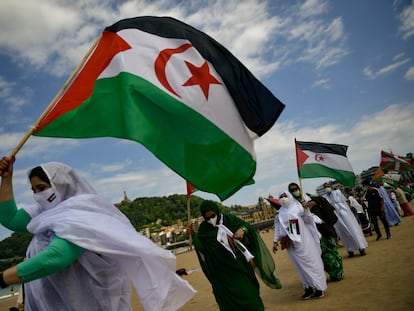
x: 54, y: 100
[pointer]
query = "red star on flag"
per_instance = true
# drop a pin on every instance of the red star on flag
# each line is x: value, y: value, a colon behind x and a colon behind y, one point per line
x: 319, y: 157
x: 201, y: 76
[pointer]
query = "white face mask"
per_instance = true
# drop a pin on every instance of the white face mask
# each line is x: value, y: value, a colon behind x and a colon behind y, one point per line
x: 284, y: 200
x: 296, y: 193
x: 47, y: 199
x: 328, y: 189
x: 213, y: 221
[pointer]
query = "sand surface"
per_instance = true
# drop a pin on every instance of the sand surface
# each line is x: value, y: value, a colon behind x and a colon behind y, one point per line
x: 382, y: 280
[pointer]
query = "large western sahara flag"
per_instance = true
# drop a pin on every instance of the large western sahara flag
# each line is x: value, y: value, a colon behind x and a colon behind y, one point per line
x: 177, y: 91
x: 324, y: 160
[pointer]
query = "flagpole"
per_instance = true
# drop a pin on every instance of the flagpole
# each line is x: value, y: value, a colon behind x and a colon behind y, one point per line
x: 300, y: 178
x: 190, y: 239
x: 301, y: 188
x: 54, y: 100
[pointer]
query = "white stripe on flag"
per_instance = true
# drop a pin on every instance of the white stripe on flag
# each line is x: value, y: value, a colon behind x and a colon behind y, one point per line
x: 219, y: 108
x: 331, y: 160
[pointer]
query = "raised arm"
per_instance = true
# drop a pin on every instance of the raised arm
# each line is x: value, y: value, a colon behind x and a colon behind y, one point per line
x: 6, y: 185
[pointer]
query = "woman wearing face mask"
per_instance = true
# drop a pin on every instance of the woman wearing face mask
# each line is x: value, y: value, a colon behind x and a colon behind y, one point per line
x: 318, y: 206
x: 295, y: 229
x: 230, y: 266
x: 85, y: 253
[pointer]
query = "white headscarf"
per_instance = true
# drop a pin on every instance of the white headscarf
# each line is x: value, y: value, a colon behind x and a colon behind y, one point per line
x: 90, y: 222
x: 66, y: 180
x: 288, y: 218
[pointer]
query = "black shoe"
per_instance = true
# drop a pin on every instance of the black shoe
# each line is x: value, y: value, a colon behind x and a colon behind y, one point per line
x: 318, y: 294
x: 379, y: 237
x: 308, y: 293
x: 362, y: 252
x: 388, y: 235
x: 351, y: 254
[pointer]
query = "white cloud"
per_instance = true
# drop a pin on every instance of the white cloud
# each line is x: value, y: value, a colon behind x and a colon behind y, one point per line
x: 323, y: 43
x: 313, y: 7
x: 322, y: 83
x: 53, y: 36
x: 407, y: 22
x: 384, y: 70
x: 409, y: 75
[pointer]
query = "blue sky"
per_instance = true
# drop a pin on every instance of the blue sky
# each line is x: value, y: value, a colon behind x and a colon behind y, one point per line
x: 344, y: 70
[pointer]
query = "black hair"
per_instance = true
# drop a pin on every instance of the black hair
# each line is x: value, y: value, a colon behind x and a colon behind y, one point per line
x: 293, y: 184
x: 39, y: 172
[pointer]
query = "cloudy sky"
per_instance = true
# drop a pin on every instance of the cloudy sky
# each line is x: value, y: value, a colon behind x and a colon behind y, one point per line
x: 344, y: 70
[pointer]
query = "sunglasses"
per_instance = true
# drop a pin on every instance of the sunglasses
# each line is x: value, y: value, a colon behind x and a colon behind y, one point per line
x: 211, y: 216
x: 294, y: 189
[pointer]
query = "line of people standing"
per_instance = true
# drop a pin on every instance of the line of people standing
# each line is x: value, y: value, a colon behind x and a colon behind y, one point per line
x: 308, y: 226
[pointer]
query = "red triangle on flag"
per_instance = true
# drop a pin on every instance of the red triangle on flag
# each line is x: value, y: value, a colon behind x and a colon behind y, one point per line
x: 190, y: 189
x: 300, y: 157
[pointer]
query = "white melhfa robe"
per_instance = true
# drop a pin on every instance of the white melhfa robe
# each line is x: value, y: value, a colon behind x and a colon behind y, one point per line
x: 347, y: 227
x: 115, y: 255
x: 296, y: 223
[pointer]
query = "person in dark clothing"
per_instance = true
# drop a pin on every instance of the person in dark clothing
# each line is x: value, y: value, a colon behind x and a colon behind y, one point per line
x: 376, y: 209
x: 231, y: 253
x: 320, y: 207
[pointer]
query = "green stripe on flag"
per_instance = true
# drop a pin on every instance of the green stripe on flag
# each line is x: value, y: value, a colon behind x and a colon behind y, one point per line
x: 165, y: 126
x: 317, y: 170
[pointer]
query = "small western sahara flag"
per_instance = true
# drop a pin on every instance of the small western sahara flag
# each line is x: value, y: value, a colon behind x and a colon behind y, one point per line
x: 324, y: 160
x: 294, y: 226
x: 178, y: 92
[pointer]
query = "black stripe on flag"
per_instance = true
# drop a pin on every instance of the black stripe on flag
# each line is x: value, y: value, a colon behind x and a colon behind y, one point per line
x: 322, y: 148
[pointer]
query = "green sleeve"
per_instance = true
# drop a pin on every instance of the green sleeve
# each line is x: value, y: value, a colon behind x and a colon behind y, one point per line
x: 57, y: 256
x: 13, y: 218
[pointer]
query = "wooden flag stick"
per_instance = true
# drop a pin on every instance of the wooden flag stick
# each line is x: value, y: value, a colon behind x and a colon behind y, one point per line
x: 301, y: 189
x: 54, y: 100
x: 190, y: 239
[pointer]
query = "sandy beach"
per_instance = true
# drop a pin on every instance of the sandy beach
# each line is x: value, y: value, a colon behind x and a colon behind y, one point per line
x: 382, y: 280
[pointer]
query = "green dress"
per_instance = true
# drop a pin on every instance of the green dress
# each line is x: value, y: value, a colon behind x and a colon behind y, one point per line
x: 233, y: 280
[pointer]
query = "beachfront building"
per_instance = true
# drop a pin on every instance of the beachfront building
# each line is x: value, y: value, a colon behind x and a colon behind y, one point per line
x: 259, y: 213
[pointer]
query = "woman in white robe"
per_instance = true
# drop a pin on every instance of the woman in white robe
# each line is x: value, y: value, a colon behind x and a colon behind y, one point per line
x: 113, y: 255
x: 347, y: 227
x: 295, y: 229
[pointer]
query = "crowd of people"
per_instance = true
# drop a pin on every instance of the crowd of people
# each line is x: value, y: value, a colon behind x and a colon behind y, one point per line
x: 338, y: 217
x: 309, y: 227
x: 79, y: 238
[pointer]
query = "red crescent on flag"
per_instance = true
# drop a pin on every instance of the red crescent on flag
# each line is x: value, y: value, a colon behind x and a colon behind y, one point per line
x: 161, y: 63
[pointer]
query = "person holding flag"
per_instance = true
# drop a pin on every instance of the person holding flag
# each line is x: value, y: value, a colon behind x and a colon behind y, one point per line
x: 296, y: 231
x: 84, y: 254
x: 332, y: 260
